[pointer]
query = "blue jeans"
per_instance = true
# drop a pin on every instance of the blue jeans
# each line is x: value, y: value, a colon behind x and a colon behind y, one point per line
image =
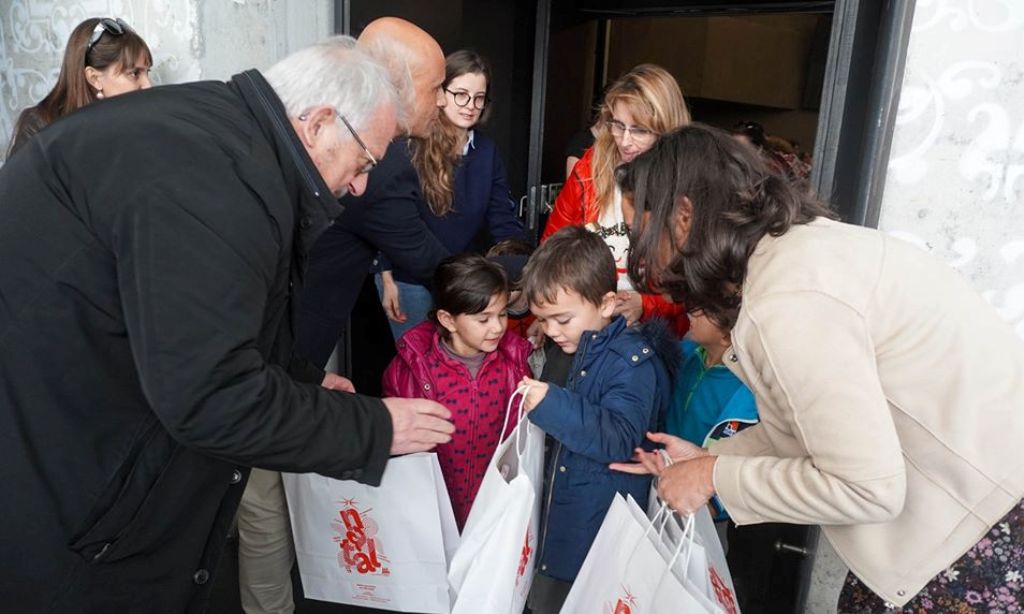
x: 415, y: 302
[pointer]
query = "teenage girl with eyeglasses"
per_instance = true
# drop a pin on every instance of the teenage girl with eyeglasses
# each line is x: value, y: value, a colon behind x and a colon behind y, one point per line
x: 463, y: 189
x: 104, y: 57
x: 640, y: 106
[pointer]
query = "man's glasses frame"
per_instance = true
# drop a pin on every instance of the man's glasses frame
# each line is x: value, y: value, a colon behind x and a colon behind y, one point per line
x: 114, y: 26
x: 366, y: 150
x: 372, y: 161
x: 479, y: 101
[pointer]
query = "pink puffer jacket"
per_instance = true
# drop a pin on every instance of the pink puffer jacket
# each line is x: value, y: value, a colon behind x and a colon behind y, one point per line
x: 422, y: 369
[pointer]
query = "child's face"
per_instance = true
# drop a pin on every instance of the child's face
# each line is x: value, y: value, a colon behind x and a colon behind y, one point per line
x: 705, y: 332
x: 570, y: 315
x: 473, y: 333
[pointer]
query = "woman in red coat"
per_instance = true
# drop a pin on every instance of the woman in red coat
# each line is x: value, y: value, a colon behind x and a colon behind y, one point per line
x: 639, y: 107
x: 465, y: 358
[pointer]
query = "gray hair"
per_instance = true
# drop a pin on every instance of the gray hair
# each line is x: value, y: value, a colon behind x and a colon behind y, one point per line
x: 333, y: 73
x: 398, y: 58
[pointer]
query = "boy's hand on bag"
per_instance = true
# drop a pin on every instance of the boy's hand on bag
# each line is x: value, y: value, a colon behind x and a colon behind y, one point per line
x: 418, y: 425
x: 535, y: 394
x: 333, y: 381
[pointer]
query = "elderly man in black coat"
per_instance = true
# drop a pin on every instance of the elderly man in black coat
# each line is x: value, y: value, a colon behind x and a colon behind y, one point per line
x: 151, y: 249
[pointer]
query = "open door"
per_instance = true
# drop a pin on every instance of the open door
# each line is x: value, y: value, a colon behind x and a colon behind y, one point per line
x: 840, y: 108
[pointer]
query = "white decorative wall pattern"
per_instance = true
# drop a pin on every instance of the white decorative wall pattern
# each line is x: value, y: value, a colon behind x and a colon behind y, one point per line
x: 33, y: 34
x: 955, y: 184
x: 190, y: 40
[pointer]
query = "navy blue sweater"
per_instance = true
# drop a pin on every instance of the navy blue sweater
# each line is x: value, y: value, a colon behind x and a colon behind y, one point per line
x: 482, y: 201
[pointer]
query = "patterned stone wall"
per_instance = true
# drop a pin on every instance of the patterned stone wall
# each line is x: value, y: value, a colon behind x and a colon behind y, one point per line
x: 190, y: 39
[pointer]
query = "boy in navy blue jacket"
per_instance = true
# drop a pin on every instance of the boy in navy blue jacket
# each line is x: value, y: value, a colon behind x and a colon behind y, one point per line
x: 618, y: 388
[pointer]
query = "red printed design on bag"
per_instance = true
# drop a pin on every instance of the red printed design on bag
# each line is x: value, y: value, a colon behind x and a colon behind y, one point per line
x: 623, y: 605
x: 723, y: 595
x: 524, y: 557
x: 357, y: 540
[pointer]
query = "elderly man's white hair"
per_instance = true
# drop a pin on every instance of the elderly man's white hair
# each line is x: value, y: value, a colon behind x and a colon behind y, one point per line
x: 333, y: 73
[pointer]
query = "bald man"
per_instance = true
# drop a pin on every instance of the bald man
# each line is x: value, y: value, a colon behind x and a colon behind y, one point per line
x: 416, y: 64
x: 385, y: 219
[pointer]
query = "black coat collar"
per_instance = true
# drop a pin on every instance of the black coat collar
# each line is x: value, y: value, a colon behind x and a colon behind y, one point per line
x: 317, y: 207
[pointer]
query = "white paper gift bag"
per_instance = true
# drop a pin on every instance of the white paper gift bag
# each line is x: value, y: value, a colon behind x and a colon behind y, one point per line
x: 624, y: 573
x: 717, y: 581
x: 492, y: 570
x: 384, y: 547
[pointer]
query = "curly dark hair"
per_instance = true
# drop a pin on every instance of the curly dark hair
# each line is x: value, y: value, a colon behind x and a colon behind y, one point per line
x: 736, y: 200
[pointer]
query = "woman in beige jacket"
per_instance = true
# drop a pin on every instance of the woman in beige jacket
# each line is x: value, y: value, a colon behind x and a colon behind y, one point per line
x: 891, y: 395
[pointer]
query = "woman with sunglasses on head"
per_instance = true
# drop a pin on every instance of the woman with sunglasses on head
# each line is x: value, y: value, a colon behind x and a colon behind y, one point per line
x: 104, y: 57
x: 640, y: 106
x: 463, y: 189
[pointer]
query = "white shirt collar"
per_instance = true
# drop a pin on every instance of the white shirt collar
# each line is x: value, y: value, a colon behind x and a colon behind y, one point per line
x: 469, y: 143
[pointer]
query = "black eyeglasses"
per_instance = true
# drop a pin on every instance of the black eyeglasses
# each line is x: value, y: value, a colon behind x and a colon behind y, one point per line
x: 113, y: 27
x: 372, y: 161
x: 463, y: 98
x: 355, y: 135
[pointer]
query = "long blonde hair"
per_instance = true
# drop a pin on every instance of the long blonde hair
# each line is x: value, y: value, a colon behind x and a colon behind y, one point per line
x: 656, y: 103
x: 436, y: 156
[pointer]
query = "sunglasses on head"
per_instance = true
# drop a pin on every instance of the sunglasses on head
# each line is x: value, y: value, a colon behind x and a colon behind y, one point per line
x: 113, y: 27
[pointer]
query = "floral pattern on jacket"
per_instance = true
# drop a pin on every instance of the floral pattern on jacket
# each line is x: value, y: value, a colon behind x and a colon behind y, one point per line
x: 422, y: 369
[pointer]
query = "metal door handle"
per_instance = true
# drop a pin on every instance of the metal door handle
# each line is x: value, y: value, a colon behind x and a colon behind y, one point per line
x: 781, y: 546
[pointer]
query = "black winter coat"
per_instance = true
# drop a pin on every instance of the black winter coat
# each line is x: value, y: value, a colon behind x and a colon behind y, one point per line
x: 151, y: 249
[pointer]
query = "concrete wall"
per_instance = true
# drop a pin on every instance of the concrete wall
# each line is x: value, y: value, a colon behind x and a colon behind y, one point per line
x: 955, y: 183
x: 190, y: 39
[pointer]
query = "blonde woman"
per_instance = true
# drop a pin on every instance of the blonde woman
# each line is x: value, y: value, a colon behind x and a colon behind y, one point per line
x: 639, y: 107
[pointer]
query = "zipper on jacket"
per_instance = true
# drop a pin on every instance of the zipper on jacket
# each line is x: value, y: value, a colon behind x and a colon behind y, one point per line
x: 279, y: 126
x: 570, y: 385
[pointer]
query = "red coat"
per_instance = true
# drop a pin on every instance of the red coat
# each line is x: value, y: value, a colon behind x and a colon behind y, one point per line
x: 576, y: 205
x: 423, y: 369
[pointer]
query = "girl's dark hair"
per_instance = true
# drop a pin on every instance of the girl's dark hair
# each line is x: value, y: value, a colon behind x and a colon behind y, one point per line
x: 465, y: 284
x: 72, y: 91
x: 736, y: 201
x: 435, y: 156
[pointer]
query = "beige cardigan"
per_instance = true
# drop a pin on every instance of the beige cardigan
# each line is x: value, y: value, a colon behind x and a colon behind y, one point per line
x: 891, y: 398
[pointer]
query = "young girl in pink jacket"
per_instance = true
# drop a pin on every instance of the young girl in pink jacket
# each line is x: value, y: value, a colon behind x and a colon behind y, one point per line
x: 464, y: 358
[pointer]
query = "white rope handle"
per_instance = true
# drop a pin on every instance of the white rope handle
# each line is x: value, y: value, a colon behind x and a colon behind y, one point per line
x: 521, y: 393
x: 686, y: 541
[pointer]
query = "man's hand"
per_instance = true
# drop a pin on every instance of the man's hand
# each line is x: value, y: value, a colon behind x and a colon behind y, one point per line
x: 333, y: 381
x: 389, y: 298
x: 535, y: 394
x: 418, y: 425
x: 629, y: 305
